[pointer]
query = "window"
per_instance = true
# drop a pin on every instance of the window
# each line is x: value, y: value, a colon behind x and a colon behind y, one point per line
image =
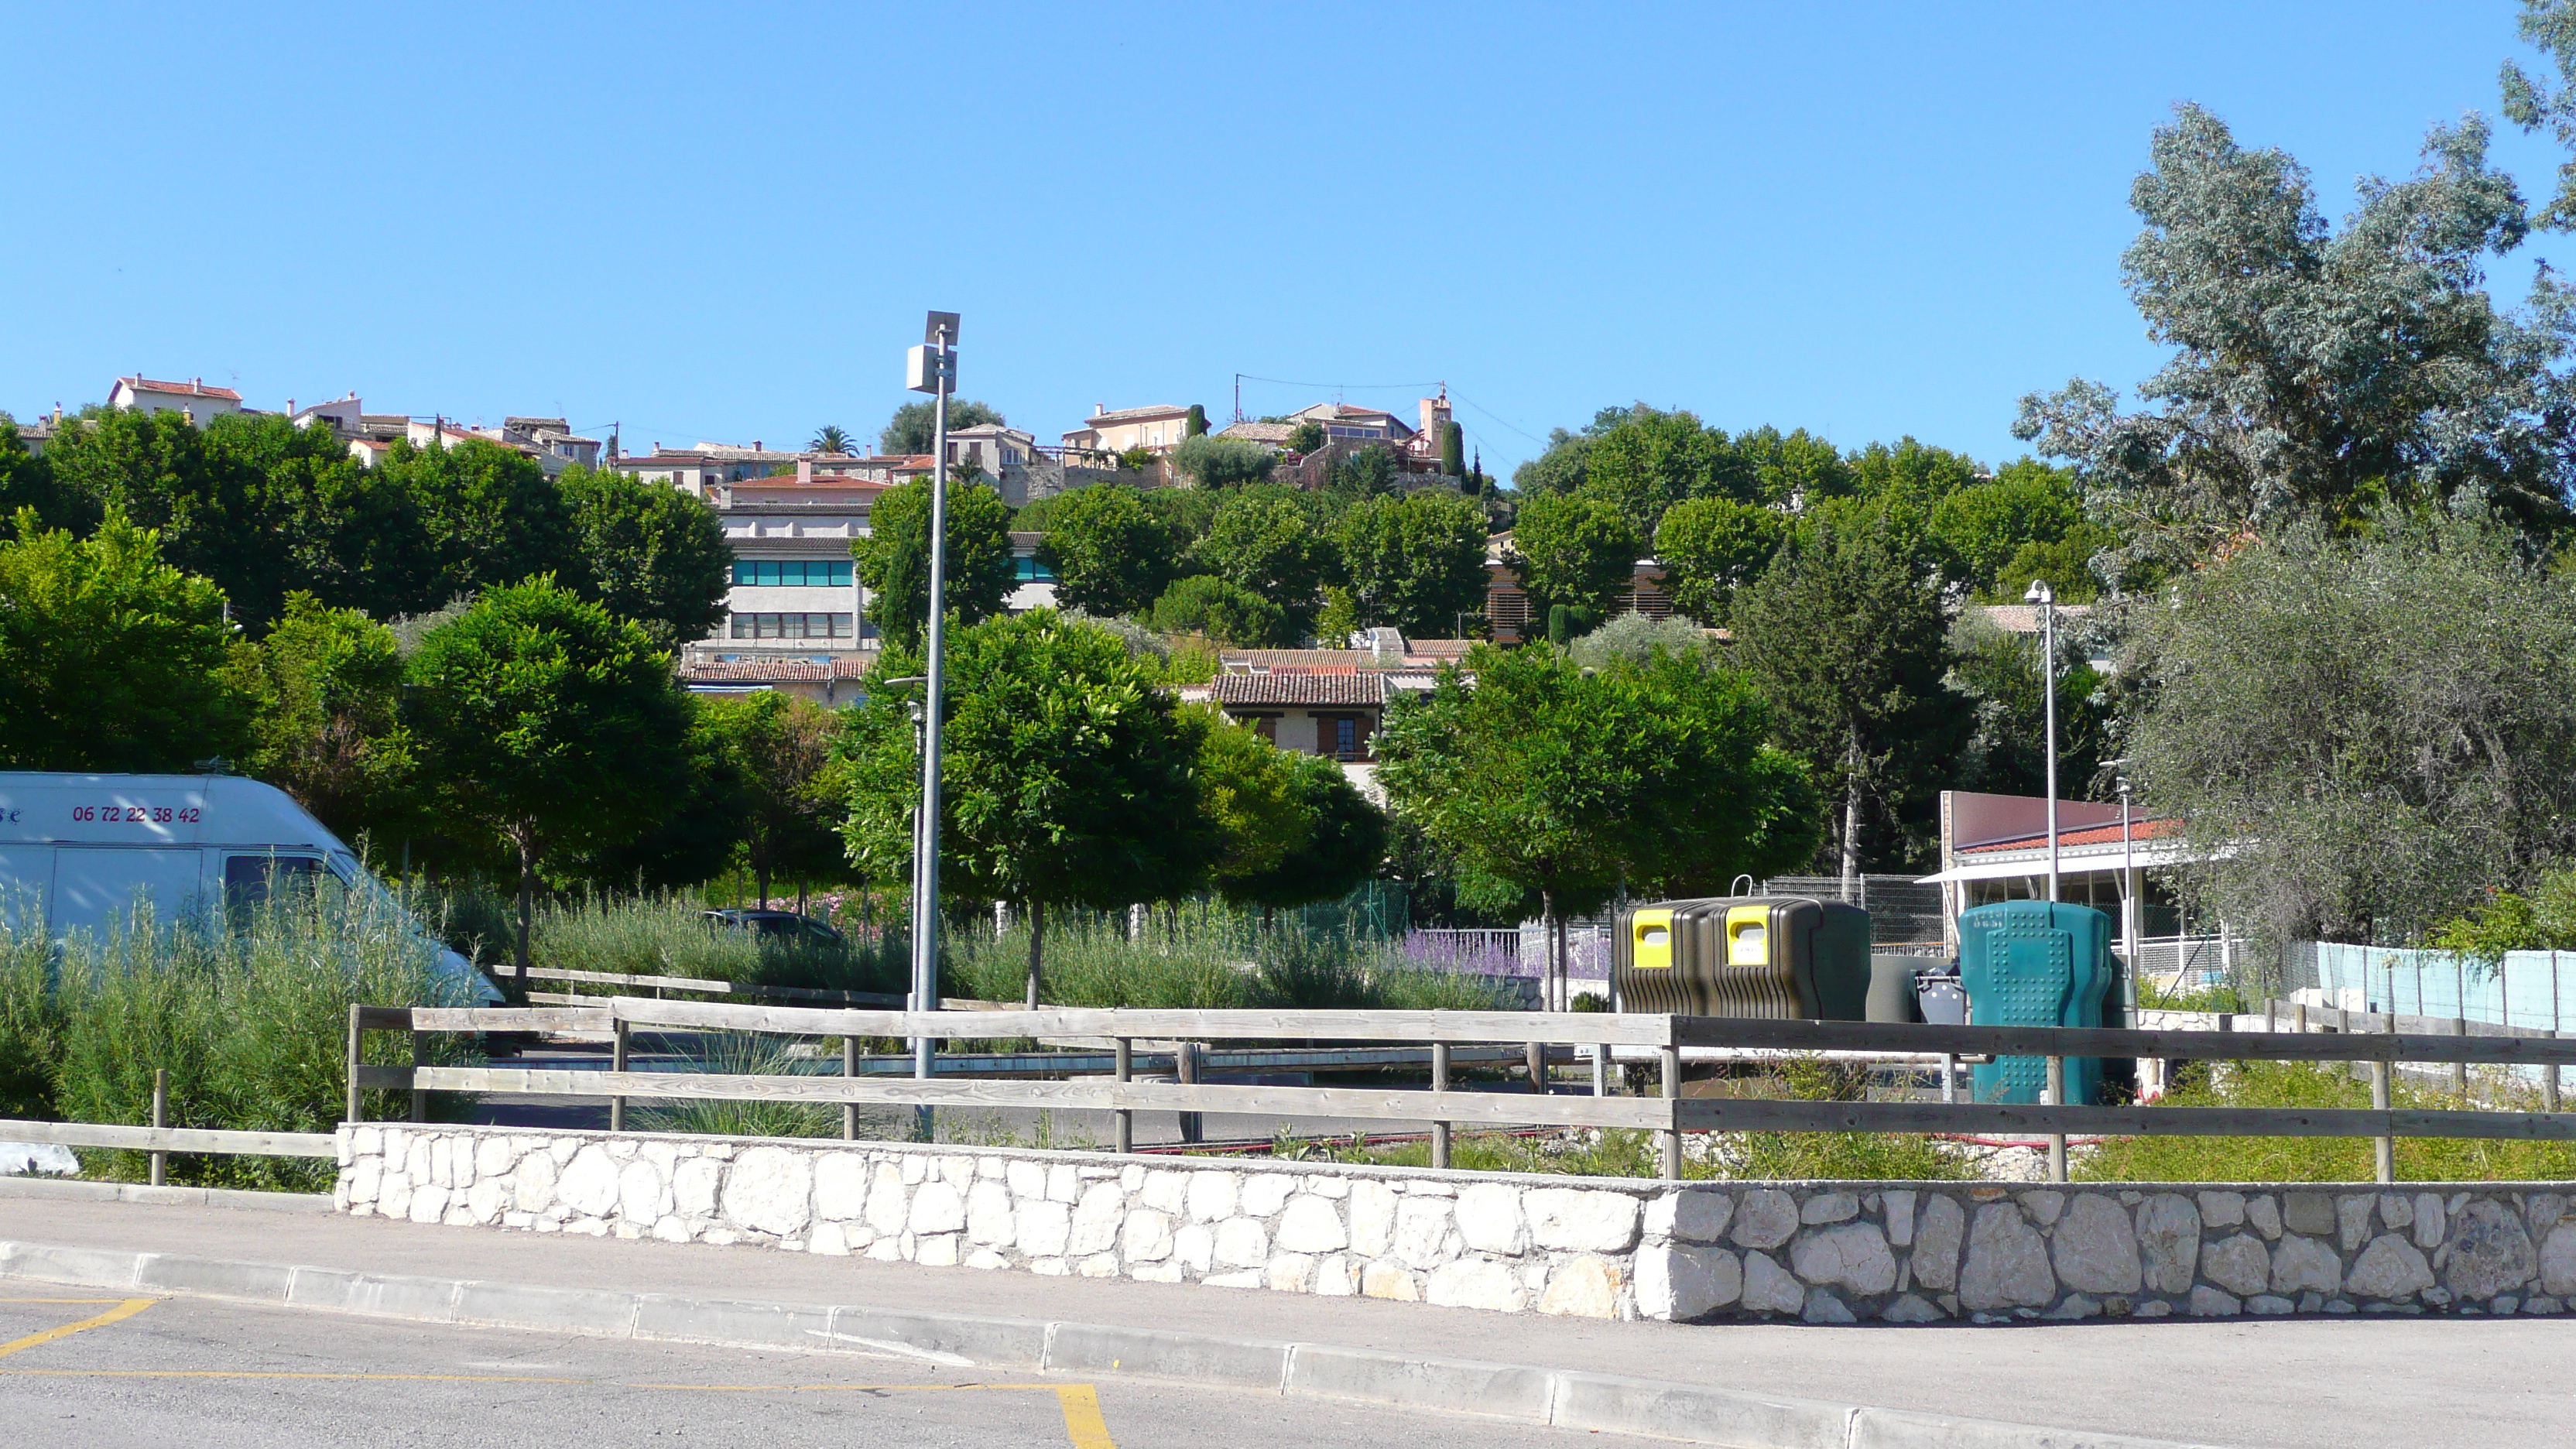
x: 789, y: 626
x: 249, y: 880
x: 1346, y: 736
x: 1028, y: 568
x: 770, y: 573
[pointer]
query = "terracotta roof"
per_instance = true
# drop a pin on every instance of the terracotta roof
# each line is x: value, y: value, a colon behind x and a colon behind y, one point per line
x: 1300, y: 689
x: 1418, y: 654
x: 766, y: 671
x: 1257, y: 432
x: 2156, y: 828
x: 1129, y: 415
x: 190, y: 388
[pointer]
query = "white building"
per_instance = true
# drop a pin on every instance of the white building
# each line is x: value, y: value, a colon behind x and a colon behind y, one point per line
x: 201, y: 403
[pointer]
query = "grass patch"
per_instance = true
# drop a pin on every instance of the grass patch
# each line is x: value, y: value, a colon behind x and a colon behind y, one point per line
x: 1208, y: 958
x: 2322, y: 1159
x: 758, y: 1056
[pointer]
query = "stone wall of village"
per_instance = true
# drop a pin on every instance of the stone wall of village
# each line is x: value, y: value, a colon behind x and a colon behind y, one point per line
x: 1824, y: 1252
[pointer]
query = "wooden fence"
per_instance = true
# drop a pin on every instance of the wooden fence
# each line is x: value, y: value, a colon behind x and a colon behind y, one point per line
x: 1668, y: 1113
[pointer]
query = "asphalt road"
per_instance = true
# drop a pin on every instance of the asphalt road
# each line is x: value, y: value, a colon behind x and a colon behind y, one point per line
x: 158, y: 1372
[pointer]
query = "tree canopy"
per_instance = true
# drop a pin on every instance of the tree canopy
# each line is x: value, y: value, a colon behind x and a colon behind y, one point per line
x: 655, y: 555
x: 1710, y: 547
x: 909, y: 431
x: 1576, y: 549
x: 1214, y: 462
x: 1416, y: 562
x: 1109, y: 553
x: 894, y: 558
x: 1265, y: 542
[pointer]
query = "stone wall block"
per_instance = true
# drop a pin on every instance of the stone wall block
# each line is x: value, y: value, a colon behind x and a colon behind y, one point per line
x: 1766, y: 1218
x: 2095, y: 1249
x: 2302, y: 1265
x: 1900, y: 1218
x: 1829, y: 1207
x: 2352, y: 1220
x: 1194, y: 1247
x: 2222, y: 1209
x: 1586, y: 1287
x: 889, y: 1201
x: 936, y: 1207
x: 639, y: 1192
x: 1372, y: 1218
x: 2007, y: 1262
x: 2390, y: 1267
x: 2491, y: 1253
x: 1939, y: 1230
x: 1264, y: 1193
x: 1166, y: 1192
x: 1026, y: 1180
x: 492, y: 1155
x: 2042, y: 1205
x: 769, y: 1190
x: 1473, y: 1283
x: 840, y: 1186
x: 1421, y: 1225
x: 1289, y: 1273
x: 1095, y: 1219
x: 1770, y: 1288
x: 2240, y: 1264
x: 2428, y: 1220
x: 1386, y: 1280
x: 1241, y: 1243
x: 1682, y: 1282
x: 988, y: 1213
x: 1146, y: 1236
x: 588, y: 1184
x: 2558, y: 1261
x: 1489, y: 1218
x: 1311, y: 1224
x: 1212, y: 1195
x: 1580, y: 1220
x: 2312, y: 1213
x: 2265, y: 1214
x: 1045, y: 1228
x: 2542, y: 1211
x: 1853, y: 1255
x: 2168, y: 1242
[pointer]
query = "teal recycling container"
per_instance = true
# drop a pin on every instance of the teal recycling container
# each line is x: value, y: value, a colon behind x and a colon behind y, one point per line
x: 2033, y: 963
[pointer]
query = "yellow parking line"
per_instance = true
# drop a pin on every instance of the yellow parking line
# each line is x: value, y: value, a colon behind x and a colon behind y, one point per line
x: 1082, y: 1422
x: 125, y: 1308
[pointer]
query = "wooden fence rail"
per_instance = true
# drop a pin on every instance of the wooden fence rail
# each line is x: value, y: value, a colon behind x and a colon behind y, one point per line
x: 1667, y: 1113
x: 170, y: 1139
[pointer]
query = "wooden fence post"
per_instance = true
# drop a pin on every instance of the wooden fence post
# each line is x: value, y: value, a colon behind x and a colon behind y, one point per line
x: 1671, y: 1061
x: 419, y: 1059
x: 355, y: 1105
x: 1439, y: 1084
x: 2383, y: 1150
x: 849, y: 1068
x: 617, y: 1046
x: 1185, y: 1066
x: 2057, y: 1140
x: 160, y: 1119
x: 1126, y: 1136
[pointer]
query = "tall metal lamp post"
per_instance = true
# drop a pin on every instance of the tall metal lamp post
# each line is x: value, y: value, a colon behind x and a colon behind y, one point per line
x: 931, y: 368
x: 2046, y: 598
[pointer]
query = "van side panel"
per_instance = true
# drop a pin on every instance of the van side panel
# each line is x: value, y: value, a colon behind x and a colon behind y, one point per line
x: 26, y: 884
x: 95, y: 886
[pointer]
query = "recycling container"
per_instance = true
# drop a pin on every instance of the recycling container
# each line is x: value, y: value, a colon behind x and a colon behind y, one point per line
x: 2037, y: 963
x: 1778, y: 957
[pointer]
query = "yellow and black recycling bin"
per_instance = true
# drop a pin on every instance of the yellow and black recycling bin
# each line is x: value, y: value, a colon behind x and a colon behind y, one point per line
x: 1781, y: 957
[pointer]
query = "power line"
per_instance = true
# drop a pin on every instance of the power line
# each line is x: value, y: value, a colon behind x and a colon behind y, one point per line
x: 1524, y: 432
x: 1344, y: 386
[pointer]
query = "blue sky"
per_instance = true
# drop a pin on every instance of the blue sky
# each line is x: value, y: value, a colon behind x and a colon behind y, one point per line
x: 726, y: 221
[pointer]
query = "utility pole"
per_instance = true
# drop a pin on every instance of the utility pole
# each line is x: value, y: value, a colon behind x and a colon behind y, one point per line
x: 2046, y: 598
x: 931, y: 368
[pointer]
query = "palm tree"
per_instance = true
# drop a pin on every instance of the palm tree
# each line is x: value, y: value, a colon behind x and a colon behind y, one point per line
x: 830, y: 439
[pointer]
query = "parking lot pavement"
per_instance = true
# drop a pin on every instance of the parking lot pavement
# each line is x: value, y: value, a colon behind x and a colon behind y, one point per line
x: 105, y: 1370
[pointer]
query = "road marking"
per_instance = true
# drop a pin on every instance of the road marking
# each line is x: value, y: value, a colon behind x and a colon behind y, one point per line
x: 125, y: 1308
x: 1083, y: 1425
x: 61, y: 1300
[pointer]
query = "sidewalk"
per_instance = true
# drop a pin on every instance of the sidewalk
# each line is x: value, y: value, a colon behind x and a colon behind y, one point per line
x: 2317, y: 1382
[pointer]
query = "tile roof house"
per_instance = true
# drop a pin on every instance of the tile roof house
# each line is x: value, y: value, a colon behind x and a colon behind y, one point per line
x: 201, y: 403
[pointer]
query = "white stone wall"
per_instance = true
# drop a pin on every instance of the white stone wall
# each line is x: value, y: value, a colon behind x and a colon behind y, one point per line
x: 1593, y: 1247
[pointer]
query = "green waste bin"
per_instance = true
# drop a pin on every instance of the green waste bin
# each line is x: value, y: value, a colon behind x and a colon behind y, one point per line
x: 1776, y: 957
x: 2033, y: 963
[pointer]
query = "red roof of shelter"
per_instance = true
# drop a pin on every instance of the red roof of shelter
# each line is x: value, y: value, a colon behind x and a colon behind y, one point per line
x: 2139, y: 829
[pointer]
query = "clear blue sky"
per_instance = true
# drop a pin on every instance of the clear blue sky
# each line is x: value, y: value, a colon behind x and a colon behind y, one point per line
x: 726, y: 221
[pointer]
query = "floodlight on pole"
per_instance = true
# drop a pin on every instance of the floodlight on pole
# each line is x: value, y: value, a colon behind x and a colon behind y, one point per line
x: 931, y: 368
x: 2046, y: 598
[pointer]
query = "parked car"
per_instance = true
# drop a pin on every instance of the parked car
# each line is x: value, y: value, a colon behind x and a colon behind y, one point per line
x: 784, y: 927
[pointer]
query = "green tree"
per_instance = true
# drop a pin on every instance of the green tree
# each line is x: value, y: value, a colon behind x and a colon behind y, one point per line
x: 1109, y: 553
x: 1453, y: 450
x: 1985, y: 525
x: 1306, y: 437
x: 655, y: 554
x: 111, y: 659
x: 548, y: 723
x: 1065, y: 774
x: 1213, y: 462
x: 702, y: 816
x: 1710, y: 547
x: 1416, y: 562
x: 1575, y: 549
x: 1795, y: 469
x: 1567, y: 782
x: 1225, y: 612
x: 2316, y: 372
x: 1194, y: 423
x: 894, y: 559
x: 329, y: 728
x: 909, y: 432
x: 1846, y: 635
x: 1367, y: 472
x: 25, y: 480
x: 1294, y: 829
x: 1264, y: 541
x: 1648, y: 461
x: 2361, y: 735
x: 831, y: 441
x: 492, y: 517
x: 797, y: 794
x: 1998, y: 674
x: 1921, y: 472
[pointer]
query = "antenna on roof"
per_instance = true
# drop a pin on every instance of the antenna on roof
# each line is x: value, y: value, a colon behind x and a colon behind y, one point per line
x: 1238, y: 397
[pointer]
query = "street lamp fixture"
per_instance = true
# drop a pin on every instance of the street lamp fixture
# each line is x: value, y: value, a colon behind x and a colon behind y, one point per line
x: 2045, y: 598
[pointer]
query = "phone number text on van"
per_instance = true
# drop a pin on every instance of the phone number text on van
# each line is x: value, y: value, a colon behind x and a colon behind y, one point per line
x: 136, y: 814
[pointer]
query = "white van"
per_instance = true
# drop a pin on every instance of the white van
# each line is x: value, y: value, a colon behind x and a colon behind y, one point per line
x: 84, y: 847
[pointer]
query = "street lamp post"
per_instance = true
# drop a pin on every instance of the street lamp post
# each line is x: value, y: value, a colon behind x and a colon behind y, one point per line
x: 931, y: 368
x: 2046, y: 598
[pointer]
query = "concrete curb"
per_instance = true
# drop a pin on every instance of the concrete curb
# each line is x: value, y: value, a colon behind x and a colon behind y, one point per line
x: 1563, y: 1398
x: 78, y: 1190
